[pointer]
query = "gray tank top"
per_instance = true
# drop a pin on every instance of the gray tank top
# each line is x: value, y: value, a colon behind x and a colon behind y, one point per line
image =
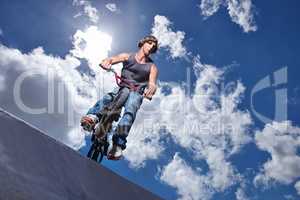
x: 136, y: 73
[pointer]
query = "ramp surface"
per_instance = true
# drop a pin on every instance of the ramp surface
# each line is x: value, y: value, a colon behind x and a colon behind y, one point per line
x: 34, y: 166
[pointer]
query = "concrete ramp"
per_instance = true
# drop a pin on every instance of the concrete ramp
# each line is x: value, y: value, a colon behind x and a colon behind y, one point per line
x: 33, y: 166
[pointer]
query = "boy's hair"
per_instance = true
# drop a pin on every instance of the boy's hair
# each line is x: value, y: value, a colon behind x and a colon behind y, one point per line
x: 149, y: 38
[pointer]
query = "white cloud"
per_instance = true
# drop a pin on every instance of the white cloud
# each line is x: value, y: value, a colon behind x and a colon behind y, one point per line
x: 210, y: 7
x: 88, y: 10
x: 142, y: 144
x: 92, y: 45
x: 38, y: 71
x: 55, y: 83
x: 112, y: 7
x: 210, y: 116
x: 281, y: 140
x: 240, y: 11
x: 76, y: 138
x: 168, y: 38
x: 240, y: 194
x: 189, y: 184
x: 221, y: 172
x: 297, y: 186
x: 241, y: 14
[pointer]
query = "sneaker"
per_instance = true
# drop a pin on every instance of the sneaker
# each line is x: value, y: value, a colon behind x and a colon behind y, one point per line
x: 114, y: 152
x: 88, y: 122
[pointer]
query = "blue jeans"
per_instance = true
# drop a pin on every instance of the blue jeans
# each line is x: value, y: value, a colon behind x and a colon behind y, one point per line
x: 132, y: 104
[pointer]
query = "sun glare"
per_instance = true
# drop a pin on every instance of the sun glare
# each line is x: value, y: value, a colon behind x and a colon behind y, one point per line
x: 92, y: 45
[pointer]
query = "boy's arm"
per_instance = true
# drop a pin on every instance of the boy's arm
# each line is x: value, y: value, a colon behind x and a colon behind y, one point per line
x: 107, y: 62
x: 150, y: 91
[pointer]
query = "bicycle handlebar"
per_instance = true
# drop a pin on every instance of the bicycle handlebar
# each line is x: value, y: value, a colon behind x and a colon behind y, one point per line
x: 118, y: 77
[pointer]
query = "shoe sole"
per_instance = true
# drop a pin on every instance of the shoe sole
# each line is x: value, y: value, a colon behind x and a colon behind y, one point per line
x: 114, y: 158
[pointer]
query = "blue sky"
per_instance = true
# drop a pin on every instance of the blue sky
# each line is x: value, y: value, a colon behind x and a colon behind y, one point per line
x: 218, y: 44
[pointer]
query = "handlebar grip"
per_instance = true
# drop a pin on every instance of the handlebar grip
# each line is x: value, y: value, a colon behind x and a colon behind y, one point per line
x: 102, y: 66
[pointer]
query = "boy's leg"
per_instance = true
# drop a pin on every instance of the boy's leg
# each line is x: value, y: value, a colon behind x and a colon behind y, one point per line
x: 132, y: 105
x: 106, y: 99
x: 92, y: 117
x: 111, y: 112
